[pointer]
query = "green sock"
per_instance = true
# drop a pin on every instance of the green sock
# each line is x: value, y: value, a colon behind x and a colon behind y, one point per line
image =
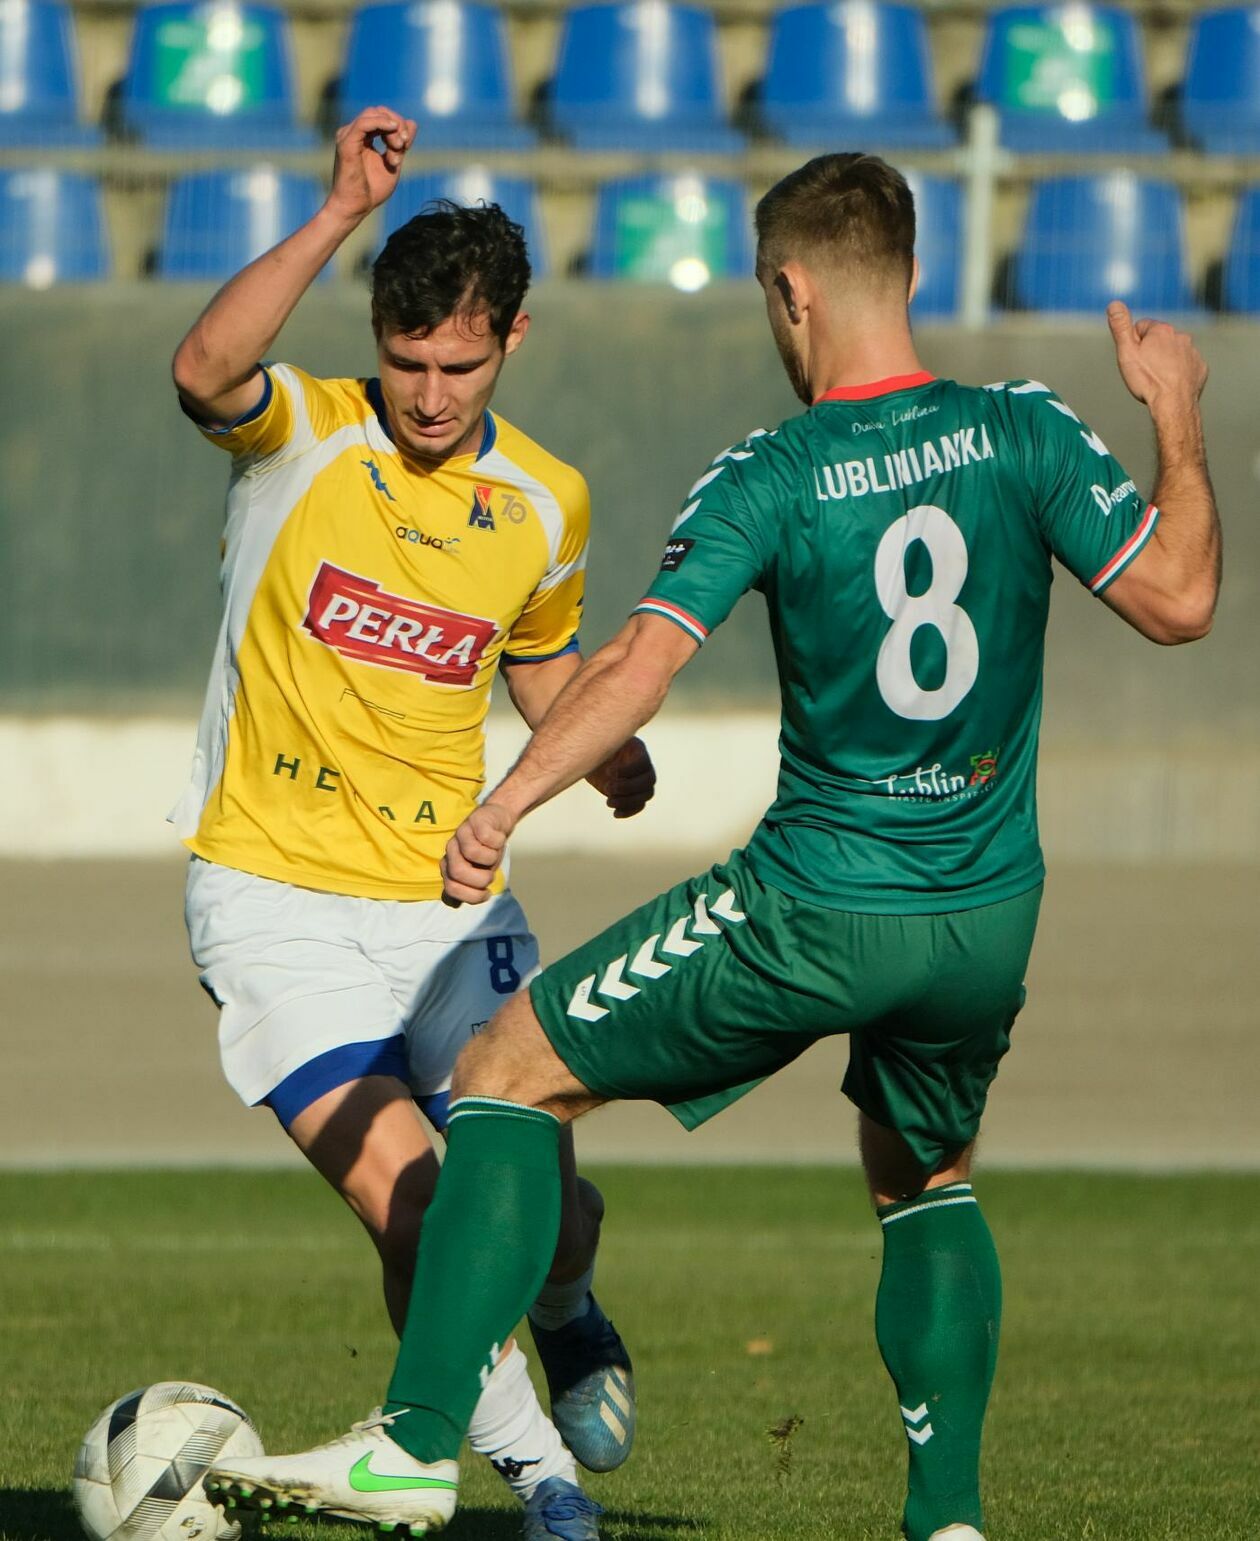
x: 937, y: 1316
x: 488, y: 1240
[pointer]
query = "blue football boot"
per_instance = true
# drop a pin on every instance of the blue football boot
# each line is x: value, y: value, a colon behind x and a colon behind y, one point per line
x: 560, y: 1509
x: 592, y: 1387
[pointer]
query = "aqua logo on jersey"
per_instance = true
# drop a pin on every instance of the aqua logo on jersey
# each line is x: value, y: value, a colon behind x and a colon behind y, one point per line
x: 481, y: 517
x: 358, y: 619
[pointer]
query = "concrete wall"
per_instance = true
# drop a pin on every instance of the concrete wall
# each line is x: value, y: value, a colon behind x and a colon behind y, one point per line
x: 110, y: 509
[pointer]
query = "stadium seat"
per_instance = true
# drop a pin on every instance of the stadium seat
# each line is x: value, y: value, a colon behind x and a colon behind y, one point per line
x: 1067, y: 79
x: 1240, y: 289
x: 938, y: 208
x: 217, y: 221
x: 1088, y: 240
x: 1220, y: 100
x: 52, y: 228
x: 217, y: 75
x: 474, y: 184
x: 680, y: 230
x: 856, y: 72
x: 444, y: 63
x: 39, y: 76
x: 642, y: 75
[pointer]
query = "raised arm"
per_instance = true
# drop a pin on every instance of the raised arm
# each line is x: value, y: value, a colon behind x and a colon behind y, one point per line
x: 216, y: 366
x: 1169, y: 591
x: 607, y: 701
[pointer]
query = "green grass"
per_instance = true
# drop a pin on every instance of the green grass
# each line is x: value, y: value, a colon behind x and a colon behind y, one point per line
x: 1125, y: 1407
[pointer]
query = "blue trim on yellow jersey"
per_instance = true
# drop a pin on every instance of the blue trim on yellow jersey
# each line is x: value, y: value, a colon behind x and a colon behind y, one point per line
x: 436, y: 1107
x: 372, y: 390
x: 246, y: 417
x: 514, y: 658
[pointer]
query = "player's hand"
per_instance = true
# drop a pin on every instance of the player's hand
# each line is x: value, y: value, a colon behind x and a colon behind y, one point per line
x: 365, y: 173
x: 626, y: 779
x: 1160, y: 365
x: 474, y: 853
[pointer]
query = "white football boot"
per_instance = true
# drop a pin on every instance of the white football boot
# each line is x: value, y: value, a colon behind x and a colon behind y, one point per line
x: 956, y: 1533
x: 362, y: 1476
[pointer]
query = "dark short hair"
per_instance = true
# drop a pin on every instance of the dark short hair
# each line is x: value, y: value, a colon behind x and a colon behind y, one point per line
x: 849, y: 211
x: 450, y: 260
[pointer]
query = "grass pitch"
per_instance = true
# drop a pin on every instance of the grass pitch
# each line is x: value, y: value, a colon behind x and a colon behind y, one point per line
x: 1125, y: 1407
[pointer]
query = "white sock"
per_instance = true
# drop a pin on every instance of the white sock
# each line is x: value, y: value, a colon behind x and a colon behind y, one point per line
x: 510, y: 1427
x: 559, y: 1304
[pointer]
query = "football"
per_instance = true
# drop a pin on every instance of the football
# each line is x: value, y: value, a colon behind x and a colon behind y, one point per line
x: 139, y: 1469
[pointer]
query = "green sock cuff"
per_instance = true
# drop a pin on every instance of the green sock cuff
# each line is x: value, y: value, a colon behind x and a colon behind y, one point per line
x: 952, y: 1194
x: 490, y: 1132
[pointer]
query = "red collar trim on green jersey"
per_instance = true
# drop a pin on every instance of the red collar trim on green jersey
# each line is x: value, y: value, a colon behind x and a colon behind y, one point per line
x: 877, y: 387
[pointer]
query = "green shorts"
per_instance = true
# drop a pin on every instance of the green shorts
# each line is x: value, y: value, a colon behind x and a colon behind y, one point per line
x: 702, y: 993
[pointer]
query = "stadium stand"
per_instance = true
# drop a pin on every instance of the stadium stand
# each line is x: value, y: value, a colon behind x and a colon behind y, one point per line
x: 684, y: 231
x: 1068, y: 79
x: 443, y: 62
x: 1089, y: 240
x: 217, y: 221
x: 39, y: 76
x: 1220, y: 100
x: 857, y: 69
x: 1241, y: 277
x: 52, y: 228
x: 516, y: 196
x: 938, y: 245
x: 217, y: 75
x: 642, y: 75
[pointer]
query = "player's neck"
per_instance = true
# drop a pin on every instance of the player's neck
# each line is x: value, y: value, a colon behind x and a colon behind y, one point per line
x: 850, y: 356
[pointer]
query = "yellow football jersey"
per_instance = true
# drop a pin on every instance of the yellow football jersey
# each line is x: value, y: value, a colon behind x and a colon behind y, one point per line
x: 367, y: 604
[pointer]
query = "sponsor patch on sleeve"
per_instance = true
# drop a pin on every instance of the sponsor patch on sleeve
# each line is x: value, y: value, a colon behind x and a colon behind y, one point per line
x: 675, y: 555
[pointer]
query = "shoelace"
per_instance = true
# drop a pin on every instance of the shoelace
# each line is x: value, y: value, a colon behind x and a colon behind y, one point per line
x: 378, y: 1418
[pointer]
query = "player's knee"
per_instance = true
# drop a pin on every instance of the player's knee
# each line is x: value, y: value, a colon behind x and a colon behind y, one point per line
x: 493, y: 1063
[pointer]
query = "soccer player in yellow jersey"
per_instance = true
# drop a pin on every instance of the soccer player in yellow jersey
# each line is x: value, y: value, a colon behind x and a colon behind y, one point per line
x: 390, y: 545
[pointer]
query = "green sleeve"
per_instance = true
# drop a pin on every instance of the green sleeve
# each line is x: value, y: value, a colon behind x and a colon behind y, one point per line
x: 715, y: 553
x: 1090, y: 511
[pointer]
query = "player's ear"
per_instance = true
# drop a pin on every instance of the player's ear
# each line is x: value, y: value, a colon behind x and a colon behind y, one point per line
x: 516, y: 333
x: 914, y: 279
x: 791, y: 290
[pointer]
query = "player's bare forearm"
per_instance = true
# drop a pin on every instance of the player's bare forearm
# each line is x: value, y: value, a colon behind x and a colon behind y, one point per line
x: 589, y: 729
x: 608, y: 700
x: 534, y: 686
x: 1169, y: 592
x: 216, y: 365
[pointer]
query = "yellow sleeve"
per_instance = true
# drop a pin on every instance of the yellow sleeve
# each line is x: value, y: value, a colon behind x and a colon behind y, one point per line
x: 264, y: 429
x: 295, y: 412
x: 549, y: 622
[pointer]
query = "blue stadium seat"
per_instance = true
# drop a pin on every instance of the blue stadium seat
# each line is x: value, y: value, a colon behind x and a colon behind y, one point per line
x: 217, y: 221
x: 681, y: 230
x: 216, y: 75
x: 1068, y: 79
x: 854, y: 72
x: 938, y: 208
x: 474, y: 184
x: 52, y: 228
x: 39, y: 76
x: 641, y: 75
x: 1241, y: 278
x: 1088, y: 240
x: 444, y: 63
x: 1220, y: 100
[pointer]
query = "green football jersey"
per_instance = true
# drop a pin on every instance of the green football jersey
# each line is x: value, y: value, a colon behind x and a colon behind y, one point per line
x: 902, y: 535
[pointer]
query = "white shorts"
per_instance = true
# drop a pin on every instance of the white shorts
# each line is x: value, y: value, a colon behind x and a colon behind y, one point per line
x: 317, y: 989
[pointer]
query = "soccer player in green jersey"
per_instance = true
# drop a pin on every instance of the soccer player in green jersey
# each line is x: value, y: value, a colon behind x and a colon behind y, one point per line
x: 902, y: 531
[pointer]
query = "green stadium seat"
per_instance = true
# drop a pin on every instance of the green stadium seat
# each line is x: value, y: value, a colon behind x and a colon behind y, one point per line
x: 680, y: 230
x: 216, y: 74
x: 1068, y: 79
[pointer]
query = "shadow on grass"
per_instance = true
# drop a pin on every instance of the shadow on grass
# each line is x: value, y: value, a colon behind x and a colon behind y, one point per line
x: 38, y: 1514
x: 47, y: 1514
